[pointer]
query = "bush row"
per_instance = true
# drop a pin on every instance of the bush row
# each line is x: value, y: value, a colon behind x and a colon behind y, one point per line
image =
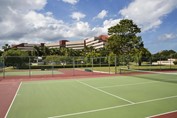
x: 175, y: 62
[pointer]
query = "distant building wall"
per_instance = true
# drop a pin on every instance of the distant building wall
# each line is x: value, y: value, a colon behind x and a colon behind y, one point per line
x: 77, y: 45
x: 168, y: 62
x: 95, y: 42
x: 26, y: 46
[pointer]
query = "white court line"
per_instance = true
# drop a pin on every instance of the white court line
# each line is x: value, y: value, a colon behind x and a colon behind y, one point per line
x: 105, y: 92
x: 114, y: 107
x: 13, y: 100
x: 127, y: 84
x: 161, y: 114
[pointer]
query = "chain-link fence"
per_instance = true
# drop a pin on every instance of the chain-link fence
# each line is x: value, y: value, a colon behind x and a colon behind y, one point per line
x: 1, y: 68
x: 50, y: 66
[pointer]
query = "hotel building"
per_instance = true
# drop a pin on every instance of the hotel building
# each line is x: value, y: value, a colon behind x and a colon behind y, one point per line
x: 95, y: 42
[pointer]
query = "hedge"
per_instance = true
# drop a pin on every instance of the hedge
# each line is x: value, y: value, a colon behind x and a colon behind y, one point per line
x: 175, y: 62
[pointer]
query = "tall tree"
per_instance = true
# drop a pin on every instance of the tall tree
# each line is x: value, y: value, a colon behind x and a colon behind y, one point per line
x: 123, y: 38
x: 164, y: 55
x: 41, y: 51
x: 1, y: 52
x: 6, y: 47
x: 16, y: 58
x: 142, y: 54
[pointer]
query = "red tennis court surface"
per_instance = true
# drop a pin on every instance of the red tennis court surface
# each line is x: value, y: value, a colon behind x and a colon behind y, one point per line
x: 167, y: 115
x: 66, y: 73
x: 7, y: 92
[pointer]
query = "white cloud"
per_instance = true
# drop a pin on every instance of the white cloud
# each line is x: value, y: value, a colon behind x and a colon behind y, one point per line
x: 77, y: 15
x: 71, y: 1
x: 36, y: 27
x: 23, y: 5
x: 148, y: 14
x: 102, y: 14
x: 111, y: 22
x: 168, y: 36
x: 104, y: 28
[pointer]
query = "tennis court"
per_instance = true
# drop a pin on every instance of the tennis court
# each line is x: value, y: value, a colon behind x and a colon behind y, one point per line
x: 106, y: 97
x: 32, y: 72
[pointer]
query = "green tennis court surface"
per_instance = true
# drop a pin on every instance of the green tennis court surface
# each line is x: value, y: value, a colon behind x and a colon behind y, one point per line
x: 109, y: 97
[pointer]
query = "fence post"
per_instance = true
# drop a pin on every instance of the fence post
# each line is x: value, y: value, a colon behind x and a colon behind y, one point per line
x: 92, y: 65
x: 170, y: 61
x: 29, y: 66
x: 52, y: 66
x: 115, y: 64
x: 151, y: 63
x: 4, y: 67
x: 73, y: 66
x: 109, y: 64
x: 160, y: 62
x: 100, y: 61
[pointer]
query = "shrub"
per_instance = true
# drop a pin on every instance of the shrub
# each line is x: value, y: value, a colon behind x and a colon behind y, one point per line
x: 175, y: 62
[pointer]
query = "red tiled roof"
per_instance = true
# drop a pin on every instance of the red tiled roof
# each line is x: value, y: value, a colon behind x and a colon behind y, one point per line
x: 103, y: 37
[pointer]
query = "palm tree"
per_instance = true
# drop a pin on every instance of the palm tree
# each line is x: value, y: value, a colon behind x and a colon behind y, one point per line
x: 6, y: 47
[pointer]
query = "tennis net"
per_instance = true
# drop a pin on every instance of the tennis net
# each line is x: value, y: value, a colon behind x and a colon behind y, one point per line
x: 152, y: 75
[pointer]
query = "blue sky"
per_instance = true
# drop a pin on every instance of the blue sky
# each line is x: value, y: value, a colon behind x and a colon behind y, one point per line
x: 36, y: 21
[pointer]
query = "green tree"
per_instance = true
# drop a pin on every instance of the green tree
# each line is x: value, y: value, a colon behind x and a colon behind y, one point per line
x: 1, y: 52
x: 142, y: 54
x: 16, y: 58
x: 55, y: 51
x: 174, y: 55
x: 123, y: 38
x: 41, y: 51
x: 164, y: 55
x: 86, y: 50
x: 104, y: 52
x: 6, y: 47
x: 111, y: 58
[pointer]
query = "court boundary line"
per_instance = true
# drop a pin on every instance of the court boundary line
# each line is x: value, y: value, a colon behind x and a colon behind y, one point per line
x: 141, y: 83
x: 13, y: 100
x: 151, y: 72
x: 114, y: 107
x: 105, y: 92
x: 165, y: 113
